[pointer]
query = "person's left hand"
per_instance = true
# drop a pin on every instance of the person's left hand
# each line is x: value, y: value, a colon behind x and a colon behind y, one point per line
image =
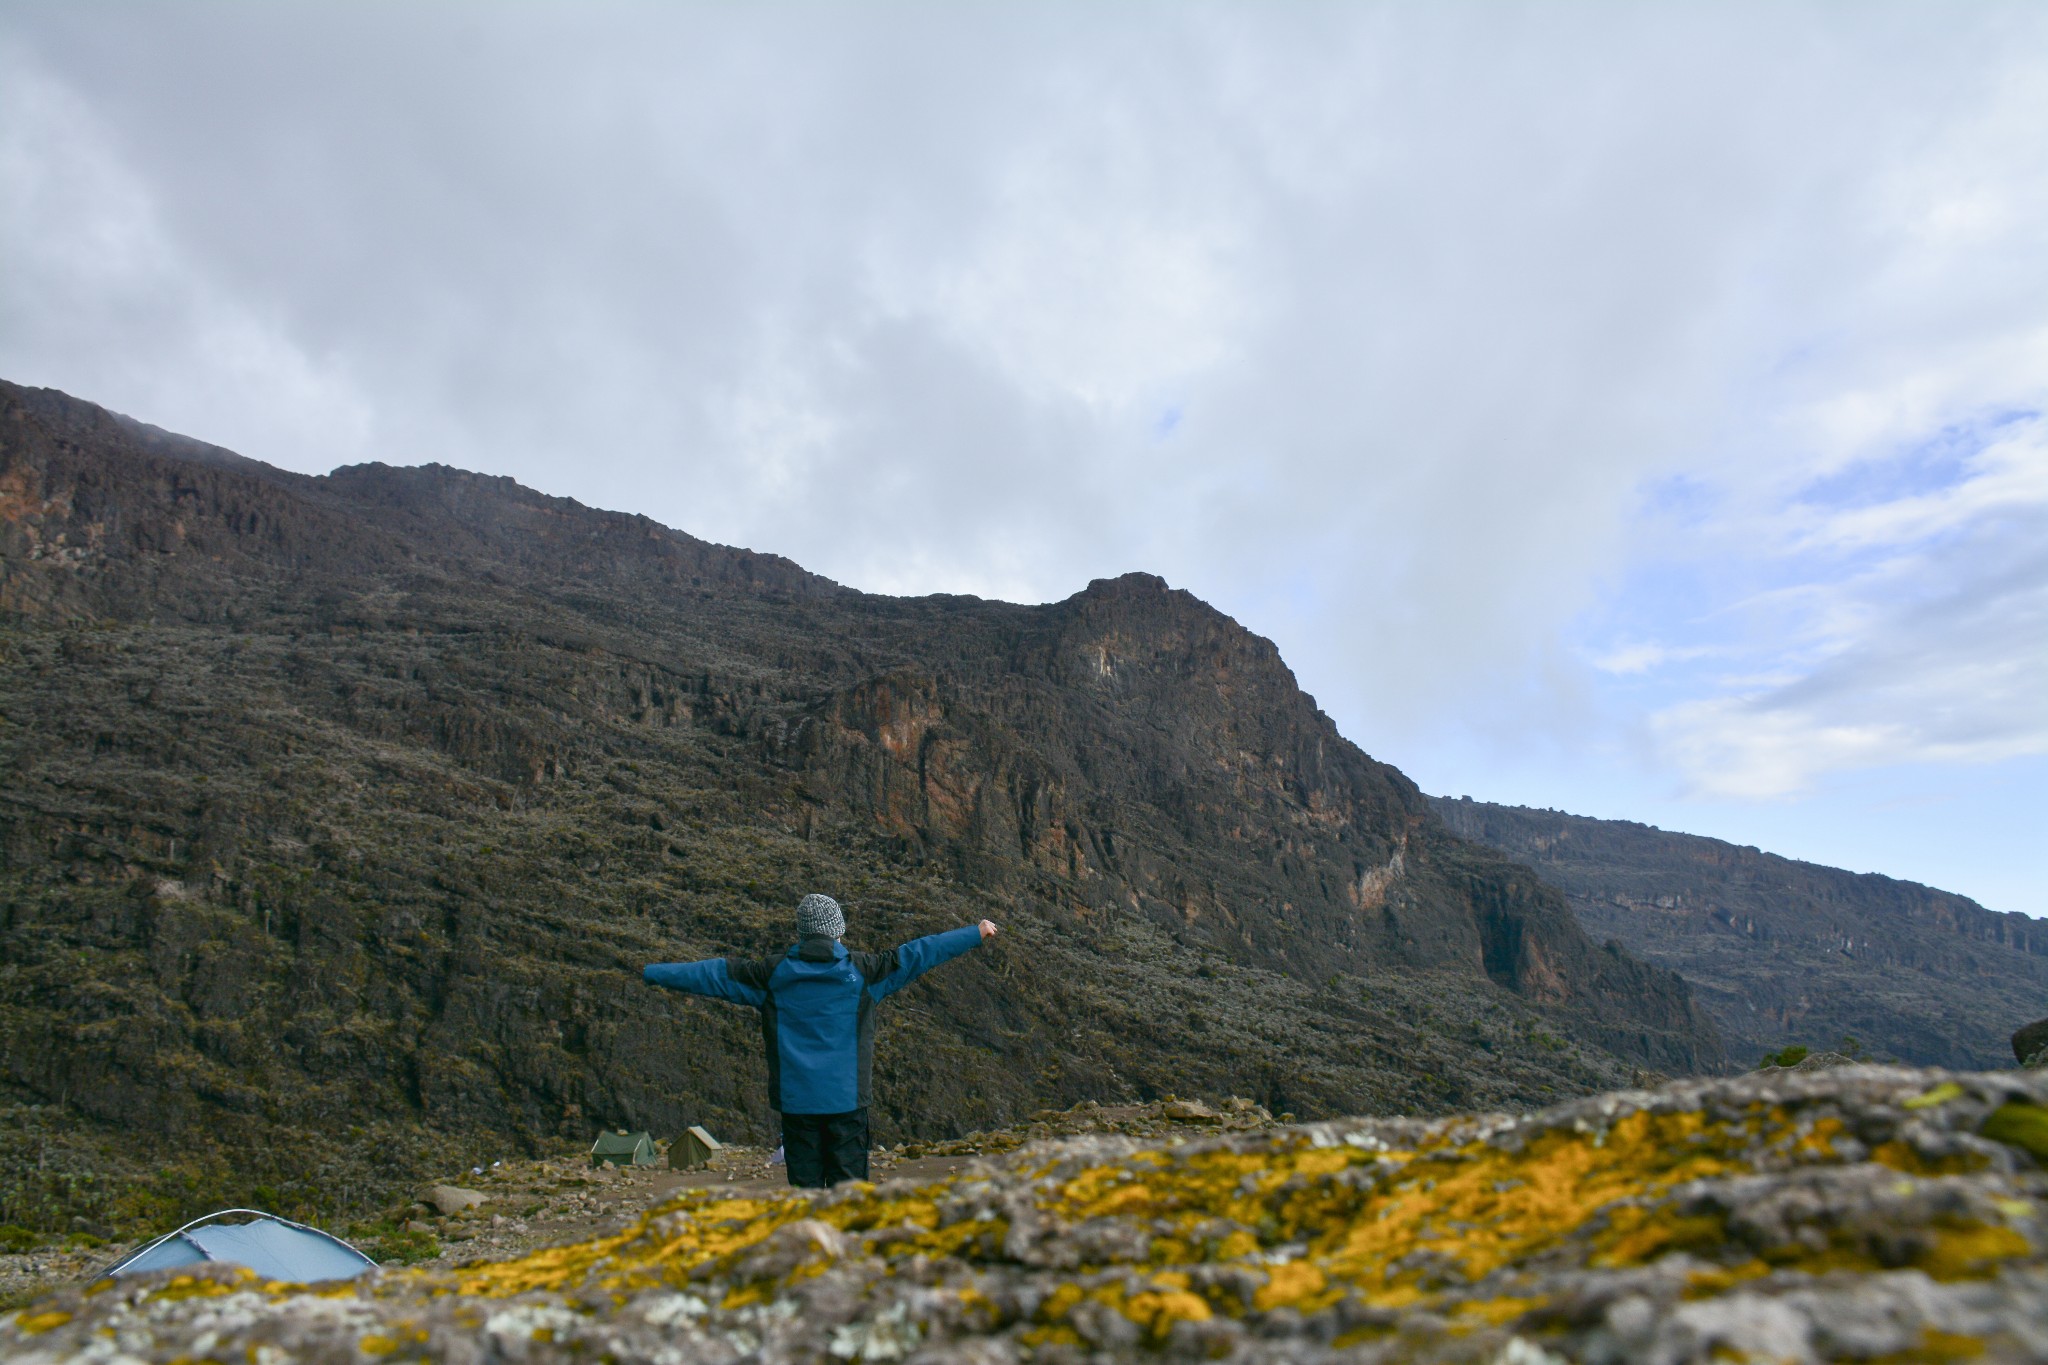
x: 988, y: 930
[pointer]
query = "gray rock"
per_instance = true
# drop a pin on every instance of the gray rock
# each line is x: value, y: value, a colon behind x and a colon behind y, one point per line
x: 451, y: 1200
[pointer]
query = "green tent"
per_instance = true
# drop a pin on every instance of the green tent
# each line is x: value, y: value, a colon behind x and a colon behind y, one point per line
x: 622, y: 1148
x: 694, y: 1150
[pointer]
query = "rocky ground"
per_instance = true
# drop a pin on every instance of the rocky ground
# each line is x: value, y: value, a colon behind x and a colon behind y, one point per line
x: 1848, y: 1213
x: 513, y: 1208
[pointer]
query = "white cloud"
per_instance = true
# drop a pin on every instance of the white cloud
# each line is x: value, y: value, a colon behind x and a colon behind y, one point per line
x: 1645, y: 656
x: 906, y: 293
x: 1916, y: 630
x: 2008, y: 475
x: 98, y: 297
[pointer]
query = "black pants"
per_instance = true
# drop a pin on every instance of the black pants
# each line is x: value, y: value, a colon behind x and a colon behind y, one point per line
x: 824, y: 1149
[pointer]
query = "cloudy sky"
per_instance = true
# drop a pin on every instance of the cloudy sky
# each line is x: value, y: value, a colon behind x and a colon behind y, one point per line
x: 1637, y: 410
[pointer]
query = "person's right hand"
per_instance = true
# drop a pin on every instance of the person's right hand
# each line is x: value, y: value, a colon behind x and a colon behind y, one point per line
x: 988, y: 930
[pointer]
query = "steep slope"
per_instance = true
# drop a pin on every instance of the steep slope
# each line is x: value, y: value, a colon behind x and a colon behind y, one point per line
x: 341, y: 812
x: 1781, y: 951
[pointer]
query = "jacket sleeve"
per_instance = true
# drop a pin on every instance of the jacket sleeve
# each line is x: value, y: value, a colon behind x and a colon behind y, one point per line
x: 920, y: 955
x: 712, y: 977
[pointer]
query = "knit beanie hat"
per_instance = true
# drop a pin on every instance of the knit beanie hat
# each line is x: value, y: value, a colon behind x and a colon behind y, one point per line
x: 816, y: 914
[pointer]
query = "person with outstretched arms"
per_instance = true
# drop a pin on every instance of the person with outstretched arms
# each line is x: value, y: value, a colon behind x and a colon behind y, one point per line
x: 817, y: 1004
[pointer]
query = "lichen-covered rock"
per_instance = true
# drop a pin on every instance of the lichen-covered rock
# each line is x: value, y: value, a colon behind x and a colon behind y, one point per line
x: 1855, y: 1213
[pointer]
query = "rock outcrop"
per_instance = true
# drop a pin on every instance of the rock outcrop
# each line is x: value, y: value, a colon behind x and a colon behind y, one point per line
x: 2029, y: 1042
x: 1862, y: 1213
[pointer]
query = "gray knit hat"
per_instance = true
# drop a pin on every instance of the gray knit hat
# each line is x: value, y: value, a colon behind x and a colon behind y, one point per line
x: 816, y: 914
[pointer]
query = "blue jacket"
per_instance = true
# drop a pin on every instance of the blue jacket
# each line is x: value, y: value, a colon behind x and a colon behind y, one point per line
x: 817, y: 1009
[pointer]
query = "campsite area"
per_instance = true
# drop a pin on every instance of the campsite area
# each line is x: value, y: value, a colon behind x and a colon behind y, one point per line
x: 561, y: 1198
x: 529, y: 1204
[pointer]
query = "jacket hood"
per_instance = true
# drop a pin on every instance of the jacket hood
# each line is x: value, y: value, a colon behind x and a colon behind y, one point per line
x: 817, y: 948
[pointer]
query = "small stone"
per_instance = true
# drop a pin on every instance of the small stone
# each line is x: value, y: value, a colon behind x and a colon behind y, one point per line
x: 1632, y: 1319
x: 1104, y: 1326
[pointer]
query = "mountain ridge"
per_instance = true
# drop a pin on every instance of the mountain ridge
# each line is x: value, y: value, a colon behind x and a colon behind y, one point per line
x: 344, y: 808
x: 1782, y: 951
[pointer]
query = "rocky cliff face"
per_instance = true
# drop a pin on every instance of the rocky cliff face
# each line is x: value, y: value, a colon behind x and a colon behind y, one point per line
x: 342, y: 811
x: 1788, y: 952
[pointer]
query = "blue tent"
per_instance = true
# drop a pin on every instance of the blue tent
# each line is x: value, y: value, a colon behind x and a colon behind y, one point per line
x: 275, y: 1248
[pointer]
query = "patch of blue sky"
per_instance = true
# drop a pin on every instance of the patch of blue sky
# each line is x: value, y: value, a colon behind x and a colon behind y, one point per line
x: 1168, y: 421
x: 1685, y: 500
x: 1663, y: 626
x: 1684, y: 583
x: 1657, y: 594
x: 1939, y: 461
x: 1689, y: 585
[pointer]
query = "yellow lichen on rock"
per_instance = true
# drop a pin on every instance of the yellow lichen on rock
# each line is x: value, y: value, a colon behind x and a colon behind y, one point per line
x: 1397, y: 1227
x: 1293, y: 1284
x: 37, y: 1323
x: 1482, y: 1207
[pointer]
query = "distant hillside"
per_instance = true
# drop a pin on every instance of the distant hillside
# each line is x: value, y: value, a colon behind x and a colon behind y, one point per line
x: 1788, y: 952
x: 341, y: 813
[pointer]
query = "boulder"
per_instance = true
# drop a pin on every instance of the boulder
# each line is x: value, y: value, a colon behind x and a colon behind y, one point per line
x: 453, y: 1199
x: 1192, y: 1111
x: 2029, y: 1041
